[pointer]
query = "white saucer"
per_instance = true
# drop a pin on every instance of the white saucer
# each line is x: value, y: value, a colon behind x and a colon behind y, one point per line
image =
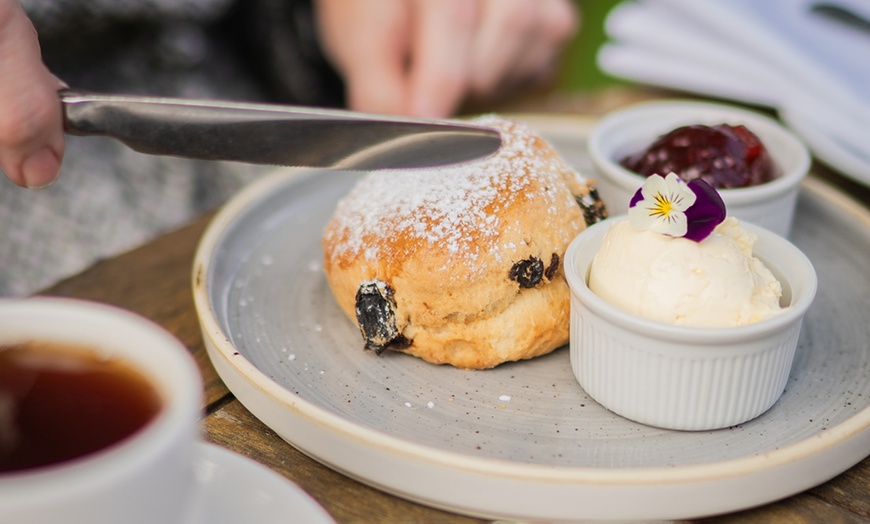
x: 234, y: 488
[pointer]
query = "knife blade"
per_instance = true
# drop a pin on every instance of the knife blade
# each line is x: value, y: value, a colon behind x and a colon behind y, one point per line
x: 273, y: 134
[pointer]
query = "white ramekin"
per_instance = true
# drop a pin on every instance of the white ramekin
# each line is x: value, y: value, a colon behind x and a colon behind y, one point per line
x: 678, y: 377
x: 626, y: 131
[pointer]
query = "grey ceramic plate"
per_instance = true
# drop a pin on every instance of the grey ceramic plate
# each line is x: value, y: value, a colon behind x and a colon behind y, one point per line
x: 521, y: 440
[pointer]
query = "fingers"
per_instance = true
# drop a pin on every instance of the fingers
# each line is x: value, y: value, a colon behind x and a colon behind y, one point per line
x: 519, y: 43
x: 483, y: 48
x: 368, y: 42
x: 443, y: 32
x: 31, y: 125
x: 494, y: 55
x: 425, y: 57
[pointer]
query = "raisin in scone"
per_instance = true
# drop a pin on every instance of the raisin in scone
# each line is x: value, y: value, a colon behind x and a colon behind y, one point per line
x: 462, y: 265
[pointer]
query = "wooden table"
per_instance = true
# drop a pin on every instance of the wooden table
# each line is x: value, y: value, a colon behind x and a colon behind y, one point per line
x: 154, y: 281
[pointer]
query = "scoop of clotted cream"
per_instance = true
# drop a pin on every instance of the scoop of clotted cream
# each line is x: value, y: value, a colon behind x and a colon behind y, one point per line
x: 713, y: 283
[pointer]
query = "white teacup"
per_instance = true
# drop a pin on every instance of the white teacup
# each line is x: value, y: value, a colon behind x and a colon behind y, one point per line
x: 147, y: 477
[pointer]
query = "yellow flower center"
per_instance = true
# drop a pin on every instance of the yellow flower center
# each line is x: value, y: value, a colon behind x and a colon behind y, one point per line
x: 663, y: 206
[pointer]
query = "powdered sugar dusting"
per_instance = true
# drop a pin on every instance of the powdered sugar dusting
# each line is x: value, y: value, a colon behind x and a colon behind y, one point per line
x: 455, y: 208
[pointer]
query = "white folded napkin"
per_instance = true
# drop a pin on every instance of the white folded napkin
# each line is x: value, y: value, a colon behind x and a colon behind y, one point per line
x: 790, y: 55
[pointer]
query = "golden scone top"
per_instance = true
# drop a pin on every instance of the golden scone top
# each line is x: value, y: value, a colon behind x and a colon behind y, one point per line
x: 460, y: 209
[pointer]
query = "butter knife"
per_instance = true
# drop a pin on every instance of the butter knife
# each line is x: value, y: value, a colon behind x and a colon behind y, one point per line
x: 273, y: 134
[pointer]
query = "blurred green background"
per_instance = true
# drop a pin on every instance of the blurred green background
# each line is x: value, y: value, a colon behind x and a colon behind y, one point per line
x: 579, y: 70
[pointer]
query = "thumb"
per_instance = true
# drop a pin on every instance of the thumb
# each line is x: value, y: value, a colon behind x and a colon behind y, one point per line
x: 31, y: 125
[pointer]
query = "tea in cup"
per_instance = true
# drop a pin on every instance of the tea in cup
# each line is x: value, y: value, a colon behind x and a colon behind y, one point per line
x: 99, y: 416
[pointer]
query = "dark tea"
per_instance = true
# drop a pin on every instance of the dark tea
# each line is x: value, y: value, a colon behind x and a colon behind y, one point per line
x: 58, y: 403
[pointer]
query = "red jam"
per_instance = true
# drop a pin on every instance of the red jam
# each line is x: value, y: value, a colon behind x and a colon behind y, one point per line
x: 723, y: 155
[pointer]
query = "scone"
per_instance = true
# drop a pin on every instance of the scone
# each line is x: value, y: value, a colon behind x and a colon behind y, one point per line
x: 462, y: 265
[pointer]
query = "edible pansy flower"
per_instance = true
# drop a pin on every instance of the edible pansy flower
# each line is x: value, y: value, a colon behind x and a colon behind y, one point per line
x: 669, y: 206
x: 660, y: 206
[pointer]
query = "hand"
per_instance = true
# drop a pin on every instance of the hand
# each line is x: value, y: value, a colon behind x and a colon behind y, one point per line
x: 425, y: 57
x: 31, y: 125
